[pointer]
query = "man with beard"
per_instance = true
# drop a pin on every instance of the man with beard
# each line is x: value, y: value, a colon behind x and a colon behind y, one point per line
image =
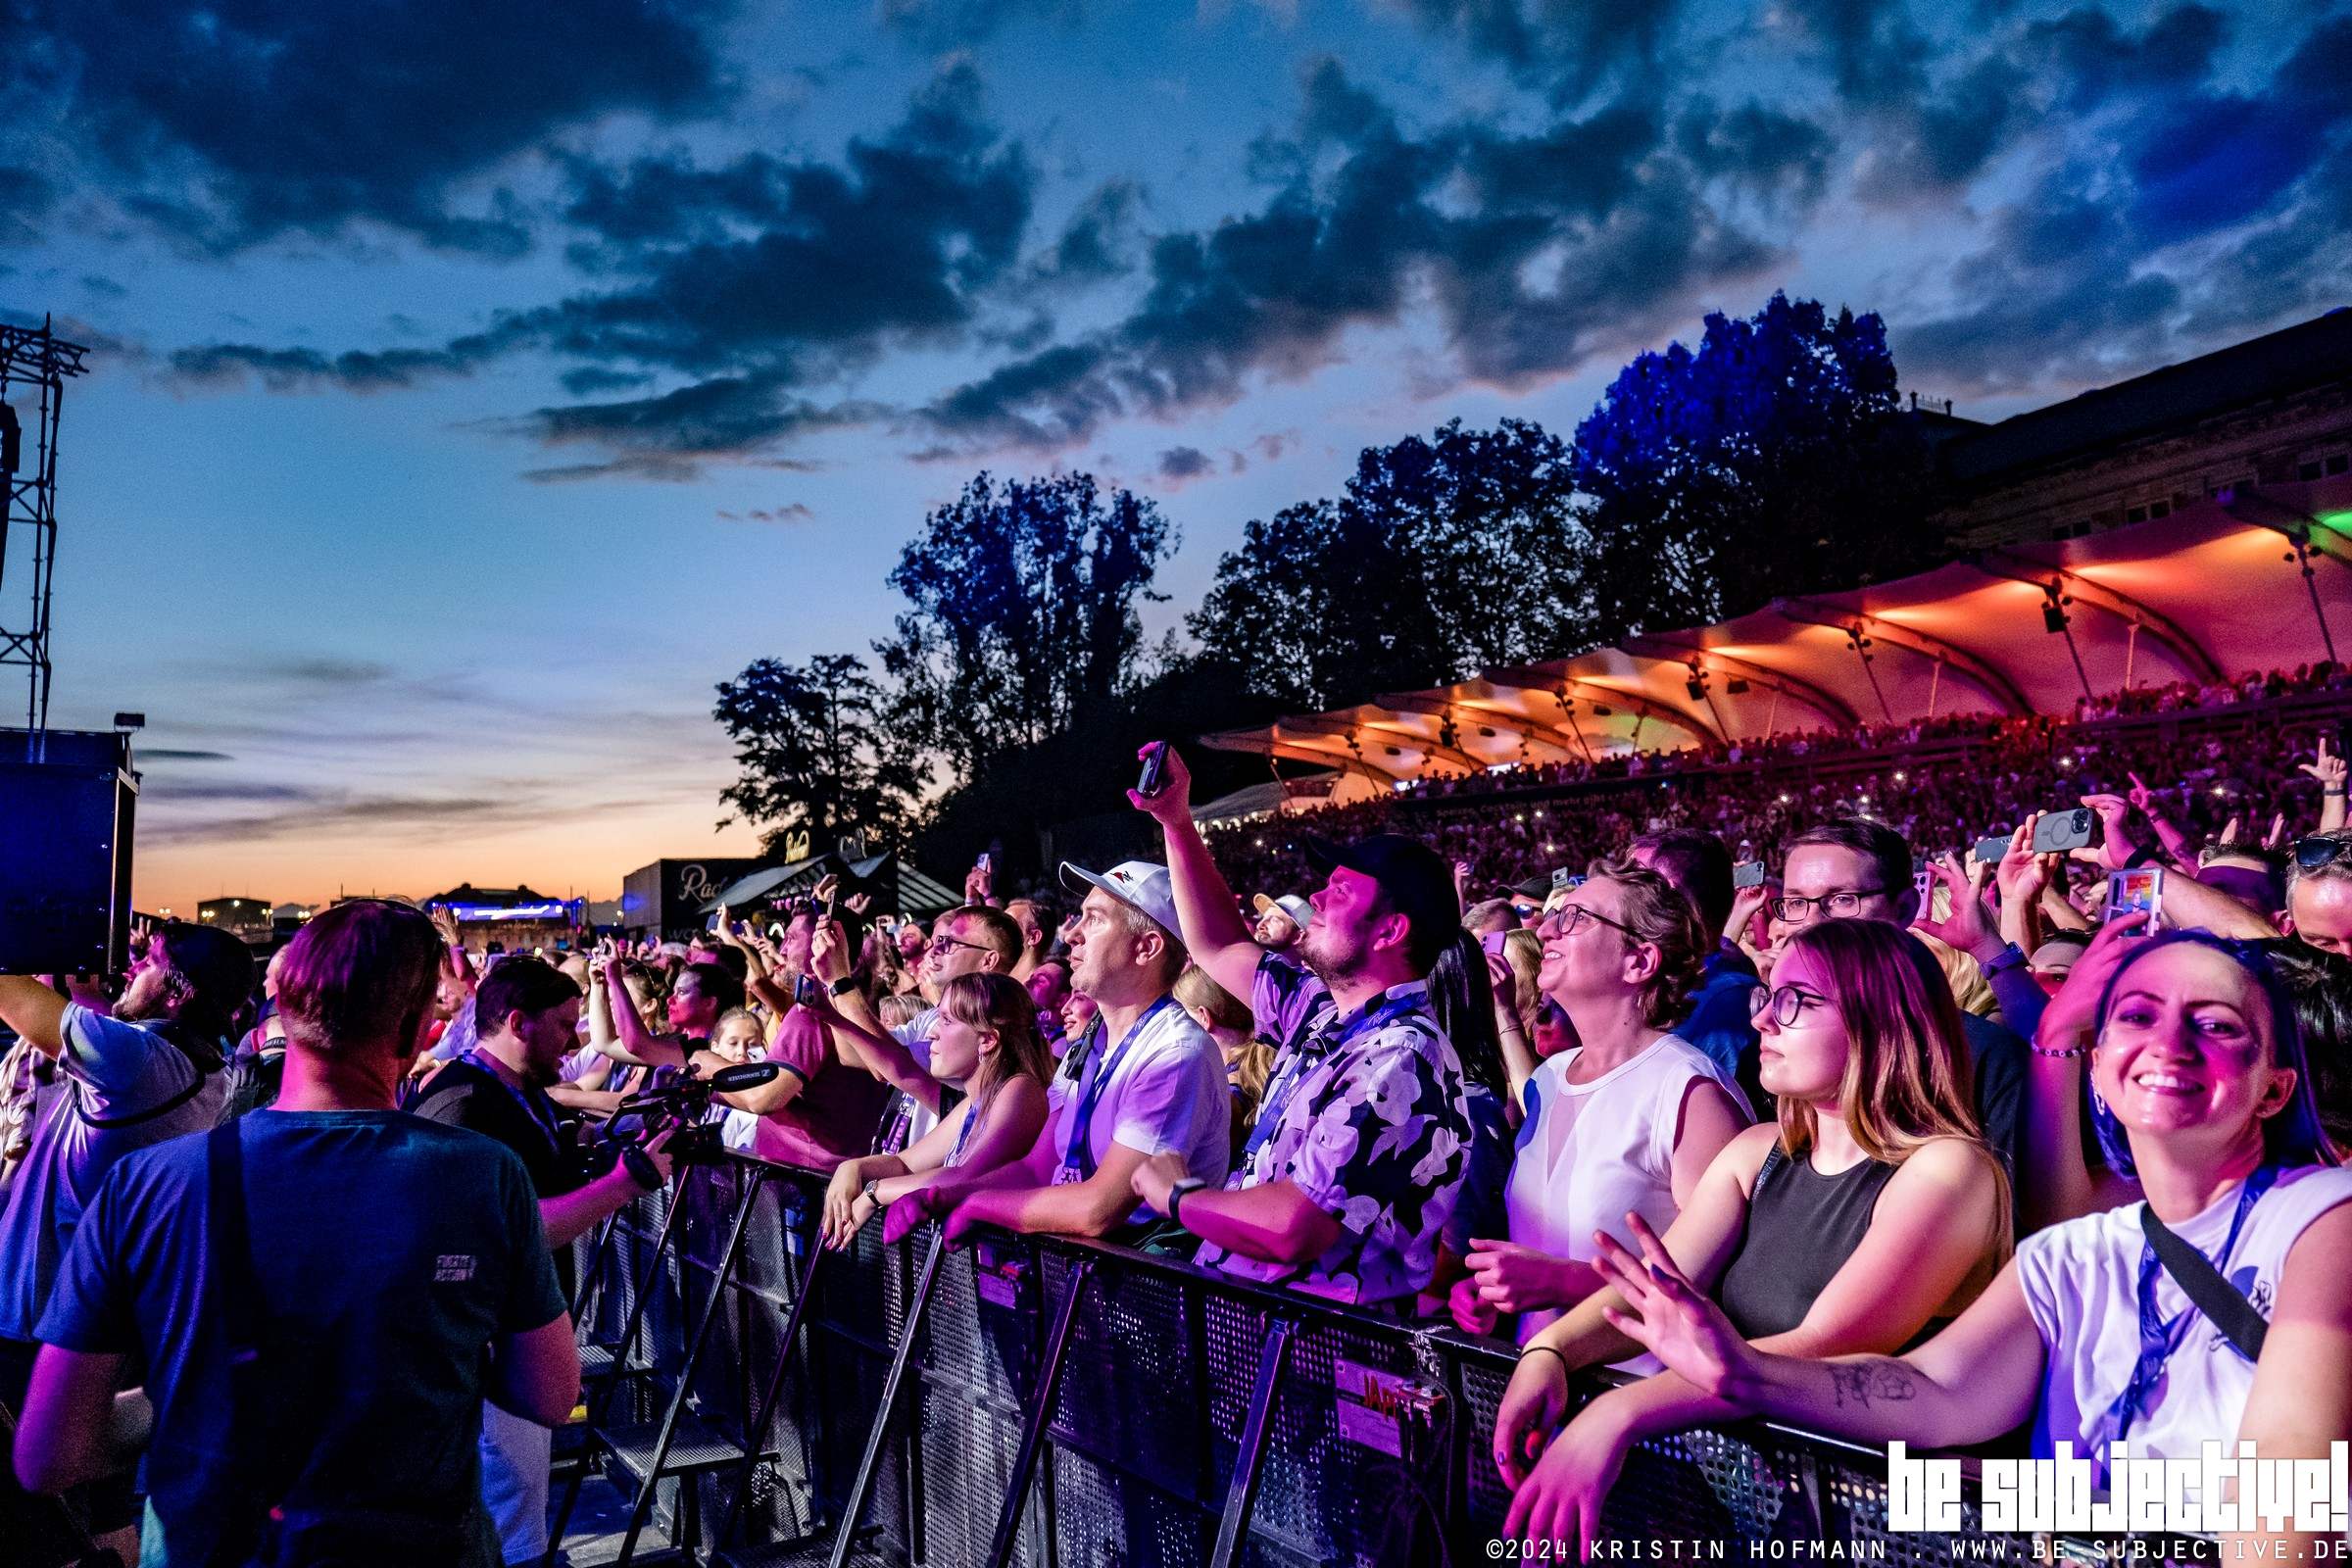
x: 151, y: 1071
x: 529, y: 1018
x: 1144, y: 1083
x: 1357, y: 1155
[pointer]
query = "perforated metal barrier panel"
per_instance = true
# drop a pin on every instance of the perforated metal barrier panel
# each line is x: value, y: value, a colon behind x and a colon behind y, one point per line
x: 1376, y: 1432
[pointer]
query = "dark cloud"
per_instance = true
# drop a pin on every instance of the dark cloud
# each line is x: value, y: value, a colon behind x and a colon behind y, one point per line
x: 756, y: 279
x: 790, y: 511
x: 1184, y: 462
x: 104, y: 288
x: 2093, y: 57
x: 1756, y: 149
x: 669, y: 435
x: 1538, y: 249
x: 308, y: 369
x: 2056, y: 295
x: 1097, y: 241
x: 231, y: 122
x: 170, y: 754
x: 1565, y: 46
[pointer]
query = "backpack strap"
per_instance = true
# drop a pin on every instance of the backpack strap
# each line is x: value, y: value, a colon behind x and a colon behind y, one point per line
x: 2220, y: 1301
x: 189, y: 1051
x: 228, y: 1261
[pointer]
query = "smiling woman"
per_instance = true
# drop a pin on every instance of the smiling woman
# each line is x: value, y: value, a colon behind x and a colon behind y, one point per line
x: 2219, y: 1307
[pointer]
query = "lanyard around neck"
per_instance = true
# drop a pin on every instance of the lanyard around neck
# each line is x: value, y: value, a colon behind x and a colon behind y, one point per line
x: 1079, y: 1156
x: 1296, y: 1066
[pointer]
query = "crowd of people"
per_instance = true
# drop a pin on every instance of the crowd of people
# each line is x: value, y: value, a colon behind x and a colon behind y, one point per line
x: 1812, y: 1108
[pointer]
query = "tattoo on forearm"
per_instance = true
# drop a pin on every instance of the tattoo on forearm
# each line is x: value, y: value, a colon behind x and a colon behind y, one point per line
x: 1860, y: 1383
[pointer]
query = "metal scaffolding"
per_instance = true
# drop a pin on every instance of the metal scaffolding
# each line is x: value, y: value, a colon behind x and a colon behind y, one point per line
x: 35, y: 363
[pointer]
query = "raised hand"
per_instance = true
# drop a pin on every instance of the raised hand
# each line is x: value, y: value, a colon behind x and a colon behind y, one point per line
x: 1966, y: 926
x: 1173, y: 804
x: 1666, y: 1314
x: 2114, y: 848
x: 2330, y: 770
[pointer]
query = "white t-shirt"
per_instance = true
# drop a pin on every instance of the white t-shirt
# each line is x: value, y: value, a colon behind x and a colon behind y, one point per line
x: 1589, y: 1153
x: 2081, y: 1285
x: 1167, y: 1093
x: 916, y: 1035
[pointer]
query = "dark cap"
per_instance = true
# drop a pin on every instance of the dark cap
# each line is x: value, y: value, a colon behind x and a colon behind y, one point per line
x: 1538, y: 887
x: 1415, y: 877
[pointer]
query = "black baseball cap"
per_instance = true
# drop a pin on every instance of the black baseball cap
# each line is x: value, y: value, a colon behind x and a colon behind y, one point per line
x: 1415, y: 877
x: 1538, y: 887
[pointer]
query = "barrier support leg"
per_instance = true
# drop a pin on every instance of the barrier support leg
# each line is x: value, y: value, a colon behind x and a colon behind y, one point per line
x: 766, y: 1411
x: 875, y: 1439
x: 602, y: 1402
x: 1241, y: 1493
x: 678, y: 1400
x: 1033, y: 1430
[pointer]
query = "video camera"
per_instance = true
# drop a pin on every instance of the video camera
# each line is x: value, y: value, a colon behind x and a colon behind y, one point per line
x: 677, y: 1101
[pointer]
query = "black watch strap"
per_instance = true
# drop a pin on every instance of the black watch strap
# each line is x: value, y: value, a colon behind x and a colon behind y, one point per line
x: 642, y: 1169
x: 843, y: 986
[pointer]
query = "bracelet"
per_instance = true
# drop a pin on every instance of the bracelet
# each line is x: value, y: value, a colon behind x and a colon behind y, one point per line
x: 2068, y: 1055
x: 2011, y: 957
x: 2327, y: 791
x: 1546, y: 1350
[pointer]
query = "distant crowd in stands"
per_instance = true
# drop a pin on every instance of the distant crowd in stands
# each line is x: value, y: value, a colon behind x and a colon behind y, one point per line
x: 1781, y: 1098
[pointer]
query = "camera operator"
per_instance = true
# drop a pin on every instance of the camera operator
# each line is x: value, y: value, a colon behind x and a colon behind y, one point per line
x: 528, y: 1014
x: 150, y: 1072
x: 320, y: 1295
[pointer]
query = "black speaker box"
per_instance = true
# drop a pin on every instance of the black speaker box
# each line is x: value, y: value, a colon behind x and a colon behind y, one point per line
x: 66, y: 800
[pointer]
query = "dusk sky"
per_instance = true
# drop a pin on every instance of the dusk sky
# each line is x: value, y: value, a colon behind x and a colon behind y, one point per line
x: 478, y: 384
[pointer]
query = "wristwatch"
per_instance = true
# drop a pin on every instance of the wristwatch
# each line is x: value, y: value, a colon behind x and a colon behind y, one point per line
x: 843, y: 986
x: 2011, y: 957
x: 1188, y: 1184
x: 868, y: 1191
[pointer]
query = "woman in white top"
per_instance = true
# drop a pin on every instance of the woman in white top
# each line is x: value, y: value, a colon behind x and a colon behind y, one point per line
x: 1626, y: 1121
x: 2204, y: 1100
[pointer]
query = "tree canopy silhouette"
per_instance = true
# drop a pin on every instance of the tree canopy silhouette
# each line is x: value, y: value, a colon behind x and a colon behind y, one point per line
x: 814, y: 753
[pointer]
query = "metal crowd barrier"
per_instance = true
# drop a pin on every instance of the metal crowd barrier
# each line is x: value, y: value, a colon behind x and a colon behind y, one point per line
x: 1062, y: 1404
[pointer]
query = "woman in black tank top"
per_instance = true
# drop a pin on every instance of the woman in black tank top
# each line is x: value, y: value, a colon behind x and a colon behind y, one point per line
x: 1871, y: 1213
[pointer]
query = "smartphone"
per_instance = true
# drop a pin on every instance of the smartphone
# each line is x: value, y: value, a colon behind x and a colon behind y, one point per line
x: 2060, y: 831
x: 1155, y: 762
x: 1991, y: 848
x: 1493, y: 943
x: 1748, y: 874
x: 805, y: 991
x: 986, y: 863
x: 1564, y: 878
x: 1922, y: 883
x: 2135, y: 891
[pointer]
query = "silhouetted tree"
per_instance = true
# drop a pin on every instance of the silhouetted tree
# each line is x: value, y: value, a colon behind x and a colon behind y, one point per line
x: 1443, y: 557
x: 1023, y: 613
x: 1775, y: 459
x: 814, y: 755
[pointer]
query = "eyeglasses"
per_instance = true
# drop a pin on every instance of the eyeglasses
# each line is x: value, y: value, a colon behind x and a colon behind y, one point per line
x: 1840, y: 905
x: 943, y: 945
x: 1783, y: 1006
x: 1572, y: 919
x: 2321, y: 849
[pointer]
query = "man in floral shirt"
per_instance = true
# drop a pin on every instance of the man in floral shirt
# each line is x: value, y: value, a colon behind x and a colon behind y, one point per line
x: 1356, y: 1157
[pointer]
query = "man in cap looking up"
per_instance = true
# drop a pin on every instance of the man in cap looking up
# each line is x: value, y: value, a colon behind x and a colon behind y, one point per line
x: 1143, y: 1082
x: 1281, y: 921
x: 1356, y: 1157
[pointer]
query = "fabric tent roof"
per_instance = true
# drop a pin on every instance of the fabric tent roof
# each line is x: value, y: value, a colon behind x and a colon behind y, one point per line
x: 2214, y: 590
x: 915, y: 893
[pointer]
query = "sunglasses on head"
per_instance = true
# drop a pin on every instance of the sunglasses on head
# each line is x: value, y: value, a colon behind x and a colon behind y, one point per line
x: 2321, y: 849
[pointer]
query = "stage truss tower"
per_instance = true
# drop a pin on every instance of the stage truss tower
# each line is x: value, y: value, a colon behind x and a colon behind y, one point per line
x: 35, y: 363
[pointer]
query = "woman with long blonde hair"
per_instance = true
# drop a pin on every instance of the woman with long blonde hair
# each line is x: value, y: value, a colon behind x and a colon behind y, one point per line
x: 985, y: 1042
x: 1870, y: 1214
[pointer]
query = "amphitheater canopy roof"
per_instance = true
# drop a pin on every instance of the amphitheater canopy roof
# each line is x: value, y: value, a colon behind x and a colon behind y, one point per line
x: 2217, y: 589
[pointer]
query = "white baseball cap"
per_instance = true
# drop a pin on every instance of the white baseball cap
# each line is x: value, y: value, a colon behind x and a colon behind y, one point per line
x: 1142, y: 885
x: 1289, y: 903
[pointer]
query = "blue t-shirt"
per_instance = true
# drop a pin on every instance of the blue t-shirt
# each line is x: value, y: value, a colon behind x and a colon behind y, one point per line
x: 391, y: 1250
x: 1718, y: 1022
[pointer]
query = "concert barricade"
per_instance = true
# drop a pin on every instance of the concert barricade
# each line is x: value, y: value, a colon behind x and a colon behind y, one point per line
x: 1063, y: 1402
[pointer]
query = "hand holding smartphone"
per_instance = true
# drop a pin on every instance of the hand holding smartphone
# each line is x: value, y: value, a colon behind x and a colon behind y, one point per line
x: 2138, y: 890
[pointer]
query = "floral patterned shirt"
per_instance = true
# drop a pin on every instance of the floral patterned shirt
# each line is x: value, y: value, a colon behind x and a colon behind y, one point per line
x: 1370, y: 1118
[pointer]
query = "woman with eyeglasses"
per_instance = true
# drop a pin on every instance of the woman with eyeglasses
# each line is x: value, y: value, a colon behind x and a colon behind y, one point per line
x: 1871, y: 1213
x: 1626, y: 1120
x: 2204, y: 1101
